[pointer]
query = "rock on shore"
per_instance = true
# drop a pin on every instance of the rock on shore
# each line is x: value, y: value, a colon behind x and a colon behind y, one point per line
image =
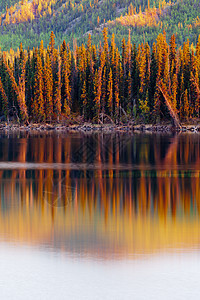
x: 88, y: 127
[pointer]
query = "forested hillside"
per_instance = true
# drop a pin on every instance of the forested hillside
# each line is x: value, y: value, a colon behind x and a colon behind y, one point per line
x: 47, y: 85
x: 29, y: 21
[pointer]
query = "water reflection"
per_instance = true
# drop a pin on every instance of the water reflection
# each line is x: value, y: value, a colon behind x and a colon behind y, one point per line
x: 102, y: 211
x: 138, y: 150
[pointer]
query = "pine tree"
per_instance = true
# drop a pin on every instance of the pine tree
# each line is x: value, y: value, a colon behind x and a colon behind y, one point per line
x: 84, y: 100
x: 97, y: 93
x: 22, y: 96
x: 105, y: 45
x: 5, y: 106
x: 186, y: 105
x: 104, y: 91
x: 38, y: 110
x: 57, y: 90
x: 48, y: 88
x: 172, y: 55
x: 174, y: 92
x: 29, y: 82
x: 163, y: 78
x: 110, y: 93
x: 198, y: 55
x: 141, y: 60
x: 129, y: 91
x: 52, y: 48
x: 116, y: 71
x: 153, y: 77
x: 112, y: 50
x: 66, y: 88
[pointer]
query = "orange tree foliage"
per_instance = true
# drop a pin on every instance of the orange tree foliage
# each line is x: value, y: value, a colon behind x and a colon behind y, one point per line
x: 27, y: 11
x: 45, y: 85
x: 150, y: 17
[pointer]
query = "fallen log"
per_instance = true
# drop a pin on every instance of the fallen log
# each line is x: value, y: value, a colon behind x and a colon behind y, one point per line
x: 102, y: 115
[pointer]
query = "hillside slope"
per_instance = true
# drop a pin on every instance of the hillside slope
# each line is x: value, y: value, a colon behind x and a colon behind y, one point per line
x: 29, y: 21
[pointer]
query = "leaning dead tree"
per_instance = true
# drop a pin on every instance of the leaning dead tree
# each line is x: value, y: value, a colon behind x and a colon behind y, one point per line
x: 123, y: 111
x: 172, y: 112
x: 19, y: 91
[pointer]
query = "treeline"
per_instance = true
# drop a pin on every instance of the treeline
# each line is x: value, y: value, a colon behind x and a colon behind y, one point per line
x: 45, y: 85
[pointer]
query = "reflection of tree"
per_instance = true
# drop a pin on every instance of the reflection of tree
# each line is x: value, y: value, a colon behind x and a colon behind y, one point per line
x: 141, y: 151
x: 124, y: 212
x: 123, y: 209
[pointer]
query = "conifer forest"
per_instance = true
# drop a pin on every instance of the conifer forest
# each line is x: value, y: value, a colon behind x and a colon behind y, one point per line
x: 97, y: 82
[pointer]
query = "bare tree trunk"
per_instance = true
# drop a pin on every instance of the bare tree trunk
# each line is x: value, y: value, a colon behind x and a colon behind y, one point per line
x: 173, y: 114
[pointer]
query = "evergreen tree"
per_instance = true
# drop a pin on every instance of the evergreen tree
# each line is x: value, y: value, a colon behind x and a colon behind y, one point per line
x: 4, y: 101
x: 110, y: 93
x: 66, y: 88
x: 57, y: 90
x: 48, y: 88
x: 38, y: 110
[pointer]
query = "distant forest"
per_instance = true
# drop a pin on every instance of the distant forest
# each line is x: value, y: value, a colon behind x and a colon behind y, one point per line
x: 30, y: 21
x: 131, y: 83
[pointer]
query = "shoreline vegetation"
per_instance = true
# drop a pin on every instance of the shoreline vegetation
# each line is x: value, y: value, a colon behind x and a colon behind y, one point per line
x: 102, y: 85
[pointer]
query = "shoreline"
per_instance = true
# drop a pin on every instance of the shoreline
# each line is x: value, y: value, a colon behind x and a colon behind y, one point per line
x: 95, y: 128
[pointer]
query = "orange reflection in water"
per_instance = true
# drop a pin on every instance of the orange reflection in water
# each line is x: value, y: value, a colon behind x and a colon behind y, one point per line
x: 127, y: 216
x: 108, y: 212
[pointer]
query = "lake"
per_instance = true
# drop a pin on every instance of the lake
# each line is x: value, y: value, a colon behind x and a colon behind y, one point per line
x: 99, y: 216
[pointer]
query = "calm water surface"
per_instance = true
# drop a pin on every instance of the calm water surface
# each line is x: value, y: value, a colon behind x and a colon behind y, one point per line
x: 100, y: 216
